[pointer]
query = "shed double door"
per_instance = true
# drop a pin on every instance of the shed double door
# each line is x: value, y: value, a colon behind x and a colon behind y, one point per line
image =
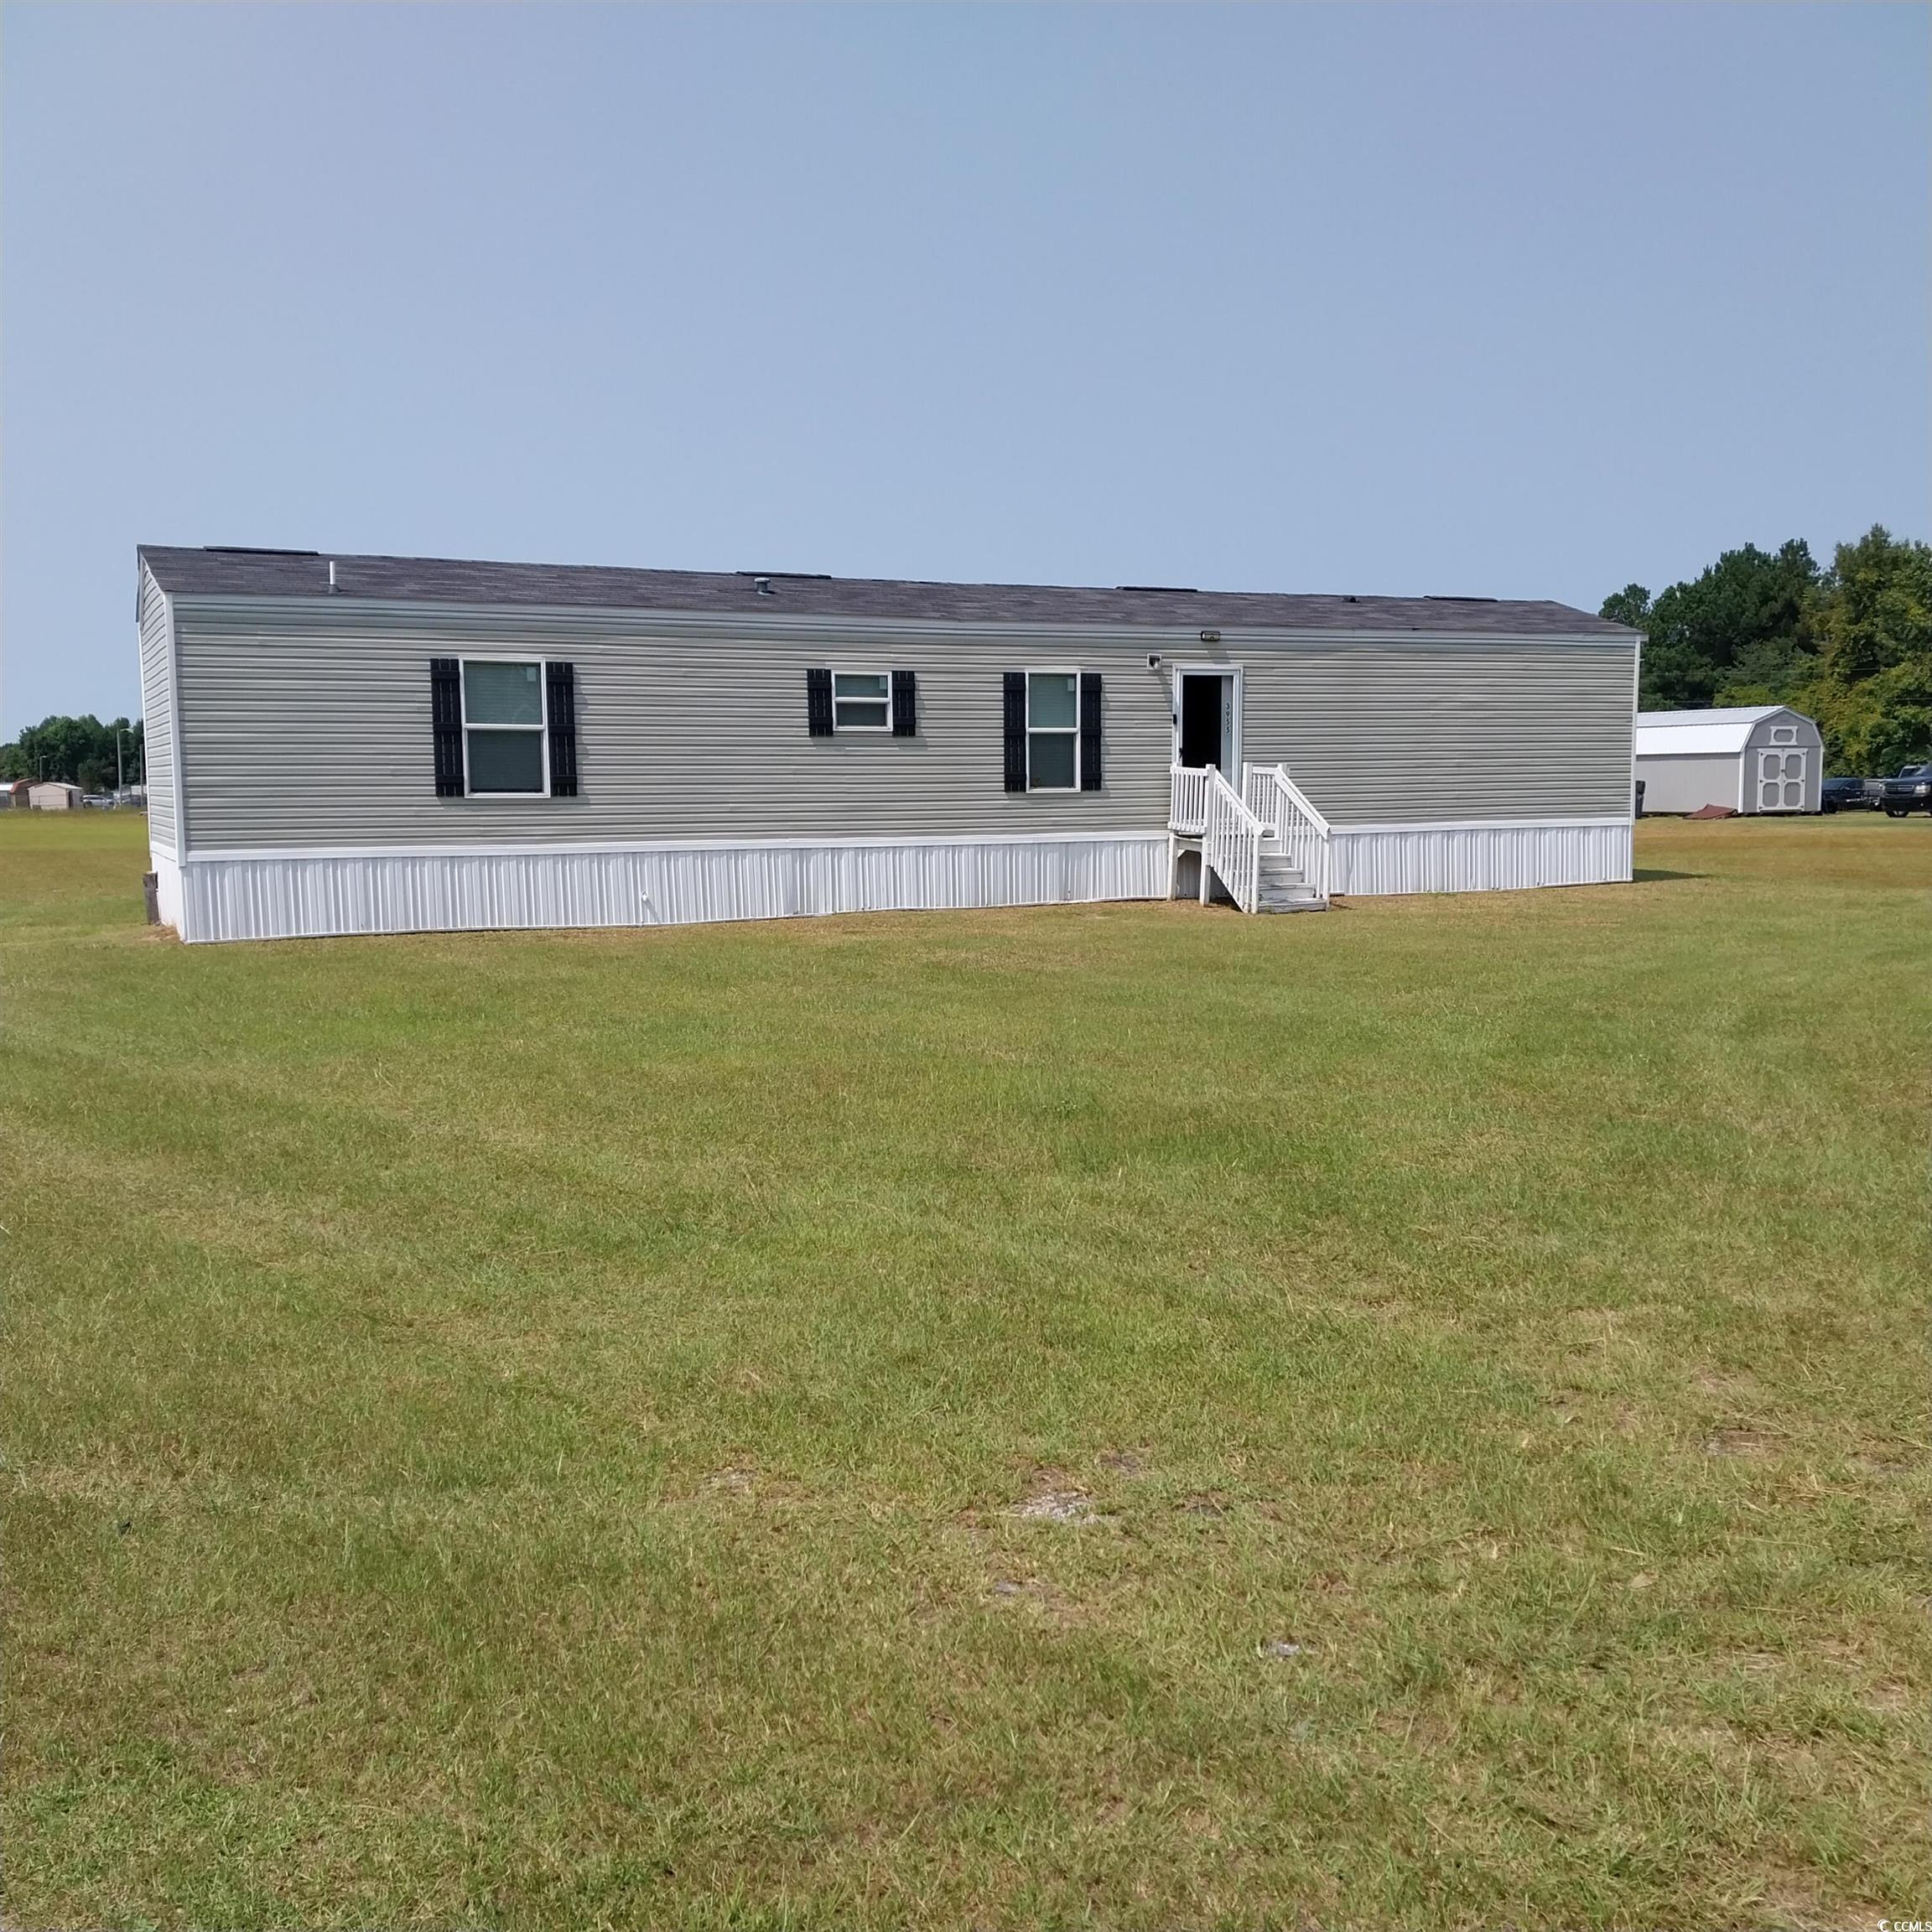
x: 1781, y: 781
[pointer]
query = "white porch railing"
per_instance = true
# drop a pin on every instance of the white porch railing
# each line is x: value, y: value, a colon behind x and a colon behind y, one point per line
x: 1201, y: 804
x: 1188, y: 799
x: 1306, y: 837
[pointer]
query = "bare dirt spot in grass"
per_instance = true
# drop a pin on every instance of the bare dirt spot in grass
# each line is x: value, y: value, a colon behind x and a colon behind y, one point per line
x: 1210, y: 1507
x: 1424, y: 1730
x: 1123, y: 1462
x: 1725, y: 1385
x: 1068, y: 1506
x: 1790, y: 1902
x: 1892, y: 1698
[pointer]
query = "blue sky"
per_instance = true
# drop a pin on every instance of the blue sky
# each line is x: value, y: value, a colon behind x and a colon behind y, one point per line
x: 1518, y: 301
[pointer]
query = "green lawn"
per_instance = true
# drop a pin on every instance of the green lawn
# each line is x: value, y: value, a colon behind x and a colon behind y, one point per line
x: 534, y: 1430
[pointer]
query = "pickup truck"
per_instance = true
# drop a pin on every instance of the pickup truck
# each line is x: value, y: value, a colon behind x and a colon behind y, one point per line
x: 1910, y: 791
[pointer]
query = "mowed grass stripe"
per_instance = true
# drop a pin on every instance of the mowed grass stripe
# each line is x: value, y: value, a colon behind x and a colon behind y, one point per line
x: 523, y: 1430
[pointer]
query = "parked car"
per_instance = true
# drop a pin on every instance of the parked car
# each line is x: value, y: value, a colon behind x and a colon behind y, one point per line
x: 1848, y: 795
x: 1910, y: 791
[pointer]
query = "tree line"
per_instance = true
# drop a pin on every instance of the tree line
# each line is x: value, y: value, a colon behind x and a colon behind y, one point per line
x: 1849, y: 644
x: 80, y: 750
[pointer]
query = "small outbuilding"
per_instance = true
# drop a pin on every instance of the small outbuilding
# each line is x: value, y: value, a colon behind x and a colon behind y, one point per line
x: 54, y: 796
x: 1748, y: 758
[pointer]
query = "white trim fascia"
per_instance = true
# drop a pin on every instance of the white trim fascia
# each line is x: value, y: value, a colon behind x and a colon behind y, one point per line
x: 531, y: 848
x: 157, y: 849
x: 179, y: 785
x: 831, y: 631
x: 1636, y: 698
x: 1483, y: 825
x: 1697, y: 757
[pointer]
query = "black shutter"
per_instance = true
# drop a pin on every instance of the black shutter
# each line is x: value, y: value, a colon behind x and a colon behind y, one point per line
x: 905, y: 704
x: 1016, y: 730
x: 446, y: 724
x: 1090, y: 731
x: 818, y: 702
x: 560, y: 684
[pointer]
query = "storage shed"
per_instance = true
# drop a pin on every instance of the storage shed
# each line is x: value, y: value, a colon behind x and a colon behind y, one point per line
x: 1748, y: 758
x: 54, y: 796
x: 384, y: 744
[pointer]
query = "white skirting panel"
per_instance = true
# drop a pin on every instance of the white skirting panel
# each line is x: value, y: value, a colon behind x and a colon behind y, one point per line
x: 167, y: 886
x: 1478, y: 857
x: 286, y: 896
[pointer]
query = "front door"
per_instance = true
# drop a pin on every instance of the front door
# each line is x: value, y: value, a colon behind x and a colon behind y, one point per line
x: 1204, y: 720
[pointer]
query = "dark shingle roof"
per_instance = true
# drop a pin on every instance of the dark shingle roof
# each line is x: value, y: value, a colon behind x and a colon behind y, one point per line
x: 238, y: 572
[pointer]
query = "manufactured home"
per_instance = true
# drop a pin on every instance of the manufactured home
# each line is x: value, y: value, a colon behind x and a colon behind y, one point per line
x: 353, y: 745
x: 1748, y: 758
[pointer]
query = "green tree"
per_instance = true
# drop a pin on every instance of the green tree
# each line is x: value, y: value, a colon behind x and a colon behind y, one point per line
x: 1630, y: 605
x: 1741, y: 633
x: 80, y: 750
x: 1872, y: 691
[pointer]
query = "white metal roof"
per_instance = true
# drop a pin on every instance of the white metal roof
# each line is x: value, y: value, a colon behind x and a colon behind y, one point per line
x: 1703, y: 734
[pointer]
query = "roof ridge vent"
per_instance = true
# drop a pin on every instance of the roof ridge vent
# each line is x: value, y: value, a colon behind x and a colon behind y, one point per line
x: 254, y: 550
x: 1164, y: 590
x: 1431, y: 598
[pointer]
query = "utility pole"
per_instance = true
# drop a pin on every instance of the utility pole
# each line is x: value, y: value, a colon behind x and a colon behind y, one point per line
x: 120, y: 781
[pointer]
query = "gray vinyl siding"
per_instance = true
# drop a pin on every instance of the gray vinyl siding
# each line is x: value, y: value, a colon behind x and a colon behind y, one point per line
x: 306, y: 723
x: 1389, y: 733
x: 157, y: 710
x: 1809, y: 739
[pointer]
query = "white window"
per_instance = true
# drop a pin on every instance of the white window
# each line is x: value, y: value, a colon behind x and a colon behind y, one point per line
x: 1052, y: 731
x: 861, y: 701
x: 1784, y: 734
x: 504, y: 752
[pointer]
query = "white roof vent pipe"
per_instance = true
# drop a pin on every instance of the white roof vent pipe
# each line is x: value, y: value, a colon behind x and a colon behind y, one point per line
x: 331, y: 576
